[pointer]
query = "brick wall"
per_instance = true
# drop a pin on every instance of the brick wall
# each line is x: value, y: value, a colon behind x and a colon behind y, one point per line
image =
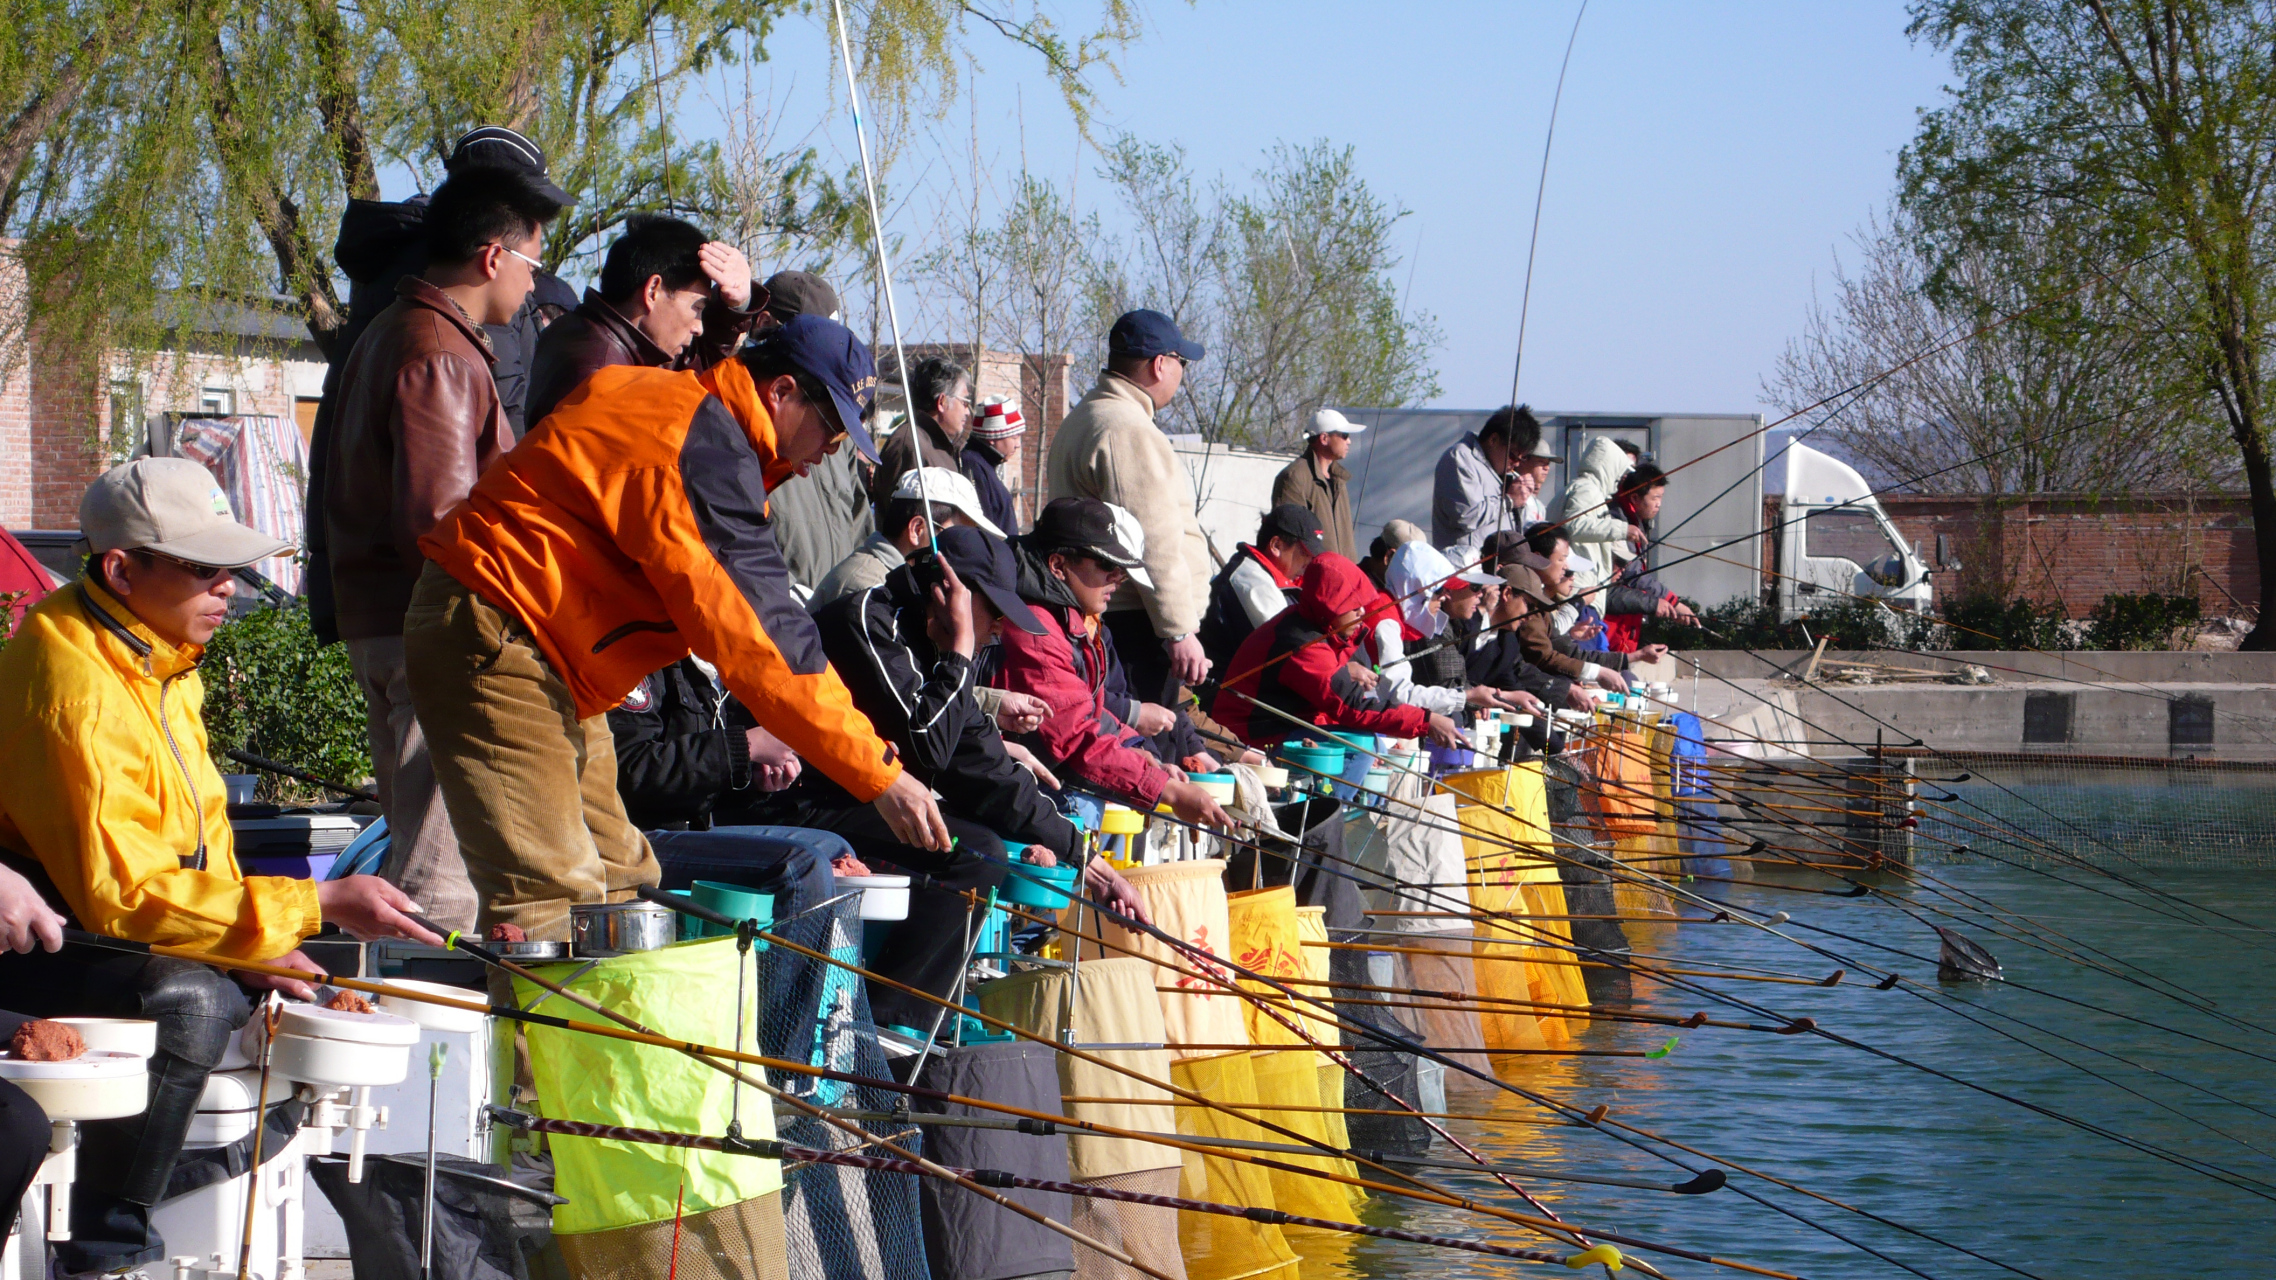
x: 2075, y: 549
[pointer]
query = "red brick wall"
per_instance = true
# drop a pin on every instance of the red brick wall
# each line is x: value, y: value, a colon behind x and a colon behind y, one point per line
x: 2074, y: 549
x: 67, y: 408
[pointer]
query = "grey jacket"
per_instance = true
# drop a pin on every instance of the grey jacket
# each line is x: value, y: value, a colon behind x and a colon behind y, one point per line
x: 865, y: 568
x: 1466, y: 501
x: 1110, y: 449
x: 819, y: 518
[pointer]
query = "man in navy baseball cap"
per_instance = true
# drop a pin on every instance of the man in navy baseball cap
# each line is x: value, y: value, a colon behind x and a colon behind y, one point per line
x: 831, y: 365
x: 1142, y: 335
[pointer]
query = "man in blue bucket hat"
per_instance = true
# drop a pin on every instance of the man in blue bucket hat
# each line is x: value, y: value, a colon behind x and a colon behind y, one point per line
x: 906, y: 650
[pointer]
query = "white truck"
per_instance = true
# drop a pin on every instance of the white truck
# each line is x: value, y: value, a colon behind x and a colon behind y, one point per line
x: 1833, y: 542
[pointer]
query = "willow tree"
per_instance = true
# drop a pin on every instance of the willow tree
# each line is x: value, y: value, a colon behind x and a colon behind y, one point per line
x: 173, y: 158
x: 2143, y: 131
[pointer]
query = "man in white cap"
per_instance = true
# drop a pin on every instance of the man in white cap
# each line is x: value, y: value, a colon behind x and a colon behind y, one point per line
x: 1320, y: 481
x: 110, y: 804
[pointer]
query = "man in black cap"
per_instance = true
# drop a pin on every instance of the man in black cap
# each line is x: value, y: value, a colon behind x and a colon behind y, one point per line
x: 1261, y: 580
x: 1110, y: 449
x: 905, y: 650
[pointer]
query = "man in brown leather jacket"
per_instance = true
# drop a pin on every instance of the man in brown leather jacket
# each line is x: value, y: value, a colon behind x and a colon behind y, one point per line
x: 419, y: 421
x: 670, y: 297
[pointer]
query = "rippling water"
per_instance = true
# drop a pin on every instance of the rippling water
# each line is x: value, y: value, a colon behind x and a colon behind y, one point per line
x: 2026, y: 1189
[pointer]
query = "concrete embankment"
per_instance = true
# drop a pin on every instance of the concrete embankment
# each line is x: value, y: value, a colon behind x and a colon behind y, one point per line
x: 2219, y: 706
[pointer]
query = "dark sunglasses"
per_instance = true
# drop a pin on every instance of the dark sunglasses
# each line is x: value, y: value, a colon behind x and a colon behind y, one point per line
x: 205, y: 574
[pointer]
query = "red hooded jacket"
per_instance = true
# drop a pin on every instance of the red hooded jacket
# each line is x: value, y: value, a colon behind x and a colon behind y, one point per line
x: 1296, y: 665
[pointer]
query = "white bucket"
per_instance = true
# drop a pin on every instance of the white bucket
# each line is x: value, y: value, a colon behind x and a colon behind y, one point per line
x: 97, y: 1085
x: 882, y: 897
x: 323, y: 1046
x: 116, y: 1035
x: 435, y: 1017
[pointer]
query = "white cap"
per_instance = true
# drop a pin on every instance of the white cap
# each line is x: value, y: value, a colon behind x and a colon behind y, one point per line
x: 173, y: 507
x: 1329, y: 422
x: 949, y: 489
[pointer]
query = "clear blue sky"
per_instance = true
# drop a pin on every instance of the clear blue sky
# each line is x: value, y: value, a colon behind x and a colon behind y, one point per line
x: 1710, y: 160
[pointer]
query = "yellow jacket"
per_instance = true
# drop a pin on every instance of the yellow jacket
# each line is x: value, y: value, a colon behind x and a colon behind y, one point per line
x: 105, y: 780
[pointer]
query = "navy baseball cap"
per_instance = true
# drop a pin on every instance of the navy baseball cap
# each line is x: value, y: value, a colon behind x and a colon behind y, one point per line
x: 985, y: 564
x: 498, y: 147
x: 829, y: 353
x: 1295, y: 522
x: 1142, y: 335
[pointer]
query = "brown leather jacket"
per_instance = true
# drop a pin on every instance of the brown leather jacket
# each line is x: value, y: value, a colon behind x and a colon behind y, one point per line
x: 596, y: 335
x: 418, y: 422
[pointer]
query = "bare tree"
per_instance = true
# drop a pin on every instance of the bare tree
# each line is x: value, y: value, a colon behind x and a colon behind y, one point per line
x: 2073, y: 396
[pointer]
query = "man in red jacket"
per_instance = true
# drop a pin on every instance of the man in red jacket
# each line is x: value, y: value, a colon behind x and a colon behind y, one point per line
x: 1298, y: 665
x: 1081, y: 550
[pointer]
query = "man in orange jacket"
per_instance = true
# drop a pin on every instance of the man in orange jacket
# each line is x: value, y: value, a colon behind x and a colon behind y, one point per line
x: 627, y: 530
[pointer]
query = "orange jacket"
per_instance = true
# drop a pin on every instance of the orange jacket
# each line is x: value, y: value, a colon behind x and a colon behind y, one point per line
x: 630, y: 528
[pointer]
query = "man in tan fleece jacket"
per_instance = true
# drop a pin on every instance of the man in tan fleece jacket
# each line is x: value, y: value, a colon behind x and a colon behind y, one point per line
x: 1110, y: 449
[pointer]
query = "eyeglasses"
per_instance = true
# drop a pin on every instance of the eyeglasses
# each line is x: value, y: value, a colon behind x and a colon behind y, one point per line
x: 205, y: 574
x: 534, y: 264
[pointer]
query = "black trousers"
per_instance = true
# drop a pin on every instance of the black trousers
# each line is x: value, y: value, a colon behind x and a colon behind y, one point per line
x: 125, y: 1165
x: 925, y: 951
x: 23, y: 1133
x: 1145, y: 663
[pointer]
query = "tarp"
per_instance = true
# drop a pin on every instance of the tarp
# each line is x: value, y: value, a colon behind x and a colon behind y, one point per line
x: 1216, y: 1247
x: 687, y: 992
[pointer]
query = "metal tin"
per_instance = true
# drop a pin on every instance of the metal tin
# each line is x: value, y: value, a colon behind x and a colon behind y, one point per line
x: 531, y: 951
x: 620, y: 928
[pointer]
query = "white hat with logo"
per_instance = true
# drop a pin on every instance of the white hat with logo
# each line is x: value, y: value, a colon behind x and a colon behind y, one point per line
x: 170, y: 506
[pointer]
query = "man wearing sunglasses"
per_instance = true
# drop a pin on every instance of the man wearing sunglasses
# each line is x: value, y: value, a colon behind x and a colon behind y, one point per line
x: 419, y: 419
x: 111, y: 807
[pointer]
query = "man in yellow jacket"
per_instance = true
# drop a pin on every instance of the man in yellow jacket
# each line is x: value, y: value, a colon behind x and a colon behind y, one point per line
x: 110, y: 804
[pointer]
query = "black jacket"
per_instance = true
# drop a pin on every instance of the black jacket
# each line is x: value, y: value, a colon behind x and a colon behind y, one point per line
x: 681, y: 754
x: 980, y: 461
x: 921, y: 701
x: 1498, y: 660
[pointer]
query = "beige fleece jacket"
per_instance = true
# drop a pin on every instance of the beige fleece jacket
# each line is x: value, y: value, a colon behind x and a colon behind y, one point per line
x: 1110, y: 449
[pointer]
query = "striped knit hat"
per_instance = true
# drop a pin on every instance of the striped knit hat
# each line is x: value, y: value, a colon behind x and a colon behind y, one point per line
x: 999, y: 420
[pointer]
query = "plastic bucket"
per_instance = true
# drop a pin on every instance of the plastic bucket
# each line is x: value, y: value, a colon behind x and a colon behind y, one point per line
x: 882, y: 897
x: 732, y: 900
x: 1046, y: 887
x: 1309, y: 764
x: 1218, y: 786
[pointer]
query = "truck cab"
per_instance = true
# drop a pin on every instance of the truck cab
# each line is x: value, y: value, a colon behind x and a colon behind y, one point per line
x: 1834, y: 542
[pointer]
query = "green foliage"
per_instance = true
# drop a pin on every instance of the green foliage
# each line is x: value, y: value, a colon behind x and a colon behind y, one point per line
x: 272, y: 690
x: 2148, y: 621
x: 1988, y: 622
x: 1750, y: 624
x: 2132, y: 135
x: 1290, y: 282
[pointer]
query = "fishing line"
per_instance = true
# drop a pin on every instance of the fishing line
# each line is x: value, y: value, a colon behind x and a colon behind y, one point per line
x: 1541, y: 191
x: 2204, y: 1168
x: 1567, y: 1110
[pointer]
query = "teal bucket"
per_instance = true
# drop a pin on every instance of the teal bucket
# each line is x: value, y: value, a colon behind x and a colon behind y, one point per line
x: 732, y: 900
x: 1048, y: 888
x: 1308, y: 760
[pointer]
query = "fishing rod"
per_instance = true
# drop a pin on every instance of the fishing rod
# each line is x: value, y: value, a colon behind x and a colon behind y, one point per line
x: 453, y: 940
x: 771, y: 1150
x: 1540, y: 191
x: 681, y: 903
x: 788, y: 1066
x: 885, y: 277
x: 1574, y: 1114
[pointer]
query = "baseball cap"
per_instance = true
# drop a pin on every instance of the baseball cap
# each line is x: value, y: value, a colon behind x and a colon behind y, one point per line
x: 173, y: 507
x: 1542, y: 448
x: 998, y: 420
x: 948, y: 488
x: 800, y: 293
x: 1094, y: 528
x: 985, y: 565
x: 1141, y: 335
x: 1329, y: 422
x: 1401, y: 532
x: 1529, y: 583
x: 829, y: 353
x: 495, y: 146
x: 1295, y: 522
